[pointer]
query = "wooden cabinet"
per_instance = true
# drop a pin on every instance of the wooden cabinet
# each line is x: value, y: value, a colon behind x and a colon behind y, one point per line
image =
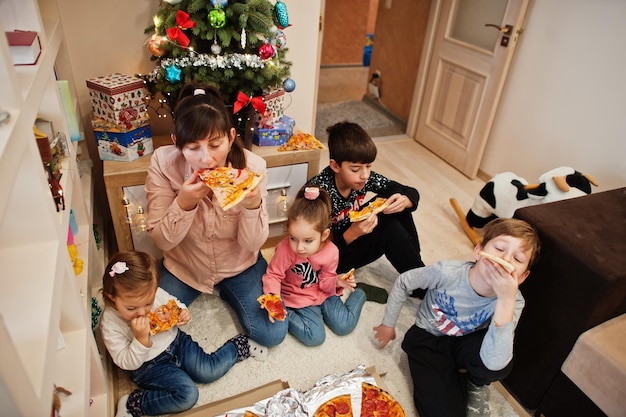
x: 288, y: 170
x: 46, y: 337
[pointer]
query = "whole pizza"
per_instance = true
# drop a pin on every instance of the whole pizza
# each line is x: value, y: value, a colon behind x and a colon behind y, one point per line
x: 230, y: 185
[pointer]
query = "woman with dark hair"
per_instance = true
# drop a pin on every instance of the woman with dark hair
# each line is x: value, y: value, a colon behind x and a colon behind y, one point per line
x: 205, y: 247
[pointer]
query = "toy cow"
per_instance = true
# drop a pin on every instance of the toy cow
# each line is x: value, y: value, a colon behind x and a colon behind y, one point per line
x: 506, y: 192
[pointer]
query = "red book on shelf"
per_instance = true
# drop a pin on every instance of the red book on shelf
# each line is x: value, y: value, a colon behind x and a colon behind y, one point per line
x: 24, y: 46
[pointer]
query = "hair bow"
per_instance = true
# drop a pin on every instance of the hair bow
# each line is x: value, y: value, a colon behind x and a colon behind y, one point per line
x: 118, y: 268
x: 311, y: 193
x: 176, y: 34
x: 243, y: 100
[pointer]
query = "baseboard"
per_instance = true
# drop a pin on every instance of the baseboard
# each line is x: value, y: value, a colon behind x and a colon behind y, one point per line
x: 519, y: 409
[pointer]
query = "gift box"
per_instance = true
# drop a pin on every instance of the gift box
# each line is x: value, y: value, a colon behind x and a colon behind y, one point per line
x: 117, y: 98
x: 274, y: 104
x: 275, y: 135
x: 120, y: 142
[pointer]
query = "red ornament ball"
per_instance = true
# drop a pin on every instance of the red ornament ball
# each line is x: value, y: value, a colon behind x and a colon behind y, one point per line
x: 266, y: 51
x: 156, y: 45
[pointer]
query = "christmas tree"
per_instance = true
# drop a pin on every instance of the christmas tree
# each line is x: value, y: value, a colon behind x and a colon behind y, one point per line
x: 233, y: 45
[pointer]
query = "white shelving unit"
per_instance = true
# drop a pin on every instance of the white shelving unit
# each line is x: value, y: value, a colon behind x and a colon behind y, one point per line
x: 45, y: 309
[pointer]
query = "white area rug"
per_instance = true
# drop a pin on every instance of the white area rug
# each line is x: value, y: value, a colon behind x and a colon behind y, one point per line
x: 213, y: 322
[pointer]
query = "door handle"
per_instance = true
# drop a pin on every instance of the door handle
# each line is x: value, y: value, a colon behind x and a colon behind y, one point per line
x: 506, y: 30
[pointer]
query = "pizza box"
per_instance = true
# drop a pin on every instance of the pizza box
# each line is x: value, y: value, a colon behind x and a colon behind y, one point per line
x: 244, y: 399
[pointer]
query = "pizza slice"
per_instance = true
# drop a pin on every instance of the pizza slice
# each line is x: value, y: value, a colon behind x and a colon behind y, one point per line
x: 348, y: 275
x: 230, y: 185
x: 164, y: 317
x: 250, y: 414
x: 274, y: 306
x: 340, y: 406
x: 375, y: 206
x: 376, y: 402
x: 507, y: 266
x: 301, y: 141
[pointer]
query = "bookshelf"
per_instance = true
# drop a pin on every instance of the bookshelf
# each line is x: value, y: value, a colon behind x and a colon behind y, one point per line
x: 45, y: 308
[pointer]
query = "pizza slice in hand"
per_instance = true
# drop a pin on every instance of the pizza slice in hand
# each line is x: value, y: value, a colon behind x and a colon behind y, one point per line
x: 164, y: 317
x: 375, y: 207
x: 507, y: 266
x: 274, y: 306
x: 230, y: 185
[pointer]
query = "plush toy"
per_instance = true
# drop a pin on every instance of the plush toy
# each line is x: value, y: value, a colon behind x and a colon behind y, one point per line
x: 506, y: 192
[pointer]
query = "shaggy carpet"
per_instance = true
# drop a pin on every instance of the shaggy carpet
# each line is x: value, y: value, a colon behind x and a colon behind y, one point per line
x: 359, y: 112
x: 213, y: 322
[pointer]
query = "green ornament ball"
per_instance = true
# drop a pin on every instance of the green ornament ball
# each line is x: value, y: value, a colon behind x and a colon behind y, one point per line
x: 217, y: 18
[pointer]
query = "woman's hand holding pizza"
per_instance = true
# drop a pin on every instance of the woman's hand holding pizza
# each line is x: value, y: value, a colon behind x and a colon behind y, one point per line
x: 397, y: 203
x: 184, y: 317
x: 384, y: 334
x: 191, y: 191
x: 253, y: 200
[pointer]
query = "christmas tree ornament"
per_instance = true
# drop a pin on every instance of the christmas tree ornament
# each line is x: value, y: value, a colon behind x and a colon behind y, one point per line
x: 176, y: 33
x: 219, y: 3
x: 266, y: 51
x: 280, y: 40
x: 289, y: 85
x: 173, y: 74
x: 156, y: 45
x: 217, y: 18
x: 281, y: 14
x: 173, y: 1
x: 216, y: 48
x: 243, y: 38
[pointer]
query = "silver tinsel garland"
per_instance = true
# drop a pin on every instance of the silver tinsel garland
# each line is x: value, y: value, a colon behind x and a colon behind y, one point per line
x: 239, y: 61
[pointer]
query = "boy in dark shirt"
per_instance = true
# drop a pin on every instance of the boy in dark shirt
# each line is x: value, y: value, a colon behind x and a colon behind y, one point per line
x: 347, y: 179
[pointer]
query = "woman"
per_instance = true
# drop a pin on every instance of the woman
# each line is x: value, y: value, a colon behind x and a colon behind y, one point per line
x: 205, y: 247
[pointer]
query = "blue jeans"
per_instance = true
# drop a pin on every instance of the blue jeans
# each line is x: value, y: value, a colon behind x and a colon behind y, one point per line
x: 169, y: 380
x: 307, y: 323
x: 241, y: 293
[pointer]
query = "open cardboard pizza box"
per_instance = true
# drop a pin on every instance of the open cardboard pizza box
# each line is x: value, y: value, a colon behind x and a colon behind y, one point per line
x: 244, y: 399
x: 249, y: 398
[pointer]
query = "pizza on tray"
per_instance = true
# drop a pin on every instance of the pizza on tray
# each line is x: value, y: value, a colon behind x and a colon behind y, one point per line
x: 274, y: 306
x: 340, y: 406
x: 230, y: 185
x: 375, y: 207
x: 164, y: 317
x: 375, y: 402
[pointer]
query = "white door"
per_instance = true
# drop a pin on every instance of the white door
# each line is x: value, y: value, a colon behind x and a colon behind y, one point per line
x: 473, y: 44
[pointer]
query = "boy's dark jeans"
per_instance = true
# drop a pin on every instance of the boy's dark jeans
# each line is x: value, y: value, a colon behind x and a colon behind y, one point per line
x: 434, y: 361
x: 395, y: 237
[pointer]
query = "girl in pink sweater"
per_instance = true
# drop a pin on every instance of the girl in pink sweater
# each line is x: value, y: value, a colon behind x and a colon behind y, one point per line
x: 303, y: 272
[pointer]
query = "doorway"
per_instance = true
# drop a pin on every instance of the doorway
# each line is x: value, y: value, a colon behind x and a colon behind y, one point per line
x: 345, y: 71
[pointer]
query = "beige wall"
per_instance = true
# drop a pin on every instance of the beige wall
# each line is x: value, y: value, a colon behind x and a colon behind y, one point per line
x: 398, y: 45
x: 565, y: 100
x: 345, y: 26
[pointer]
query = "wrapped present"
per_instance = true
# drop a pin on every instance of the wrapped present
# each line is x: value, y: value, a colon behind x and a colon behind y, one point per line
x: 274, y: 106
x: 118, y: 142
x: 276, y: 135
x: 117, y: 98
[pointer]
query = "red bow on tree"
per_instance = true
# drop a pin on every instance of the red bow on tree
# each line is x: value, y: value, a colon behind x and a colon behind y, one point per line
x: 176, y: 34
x: 242, y: 101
